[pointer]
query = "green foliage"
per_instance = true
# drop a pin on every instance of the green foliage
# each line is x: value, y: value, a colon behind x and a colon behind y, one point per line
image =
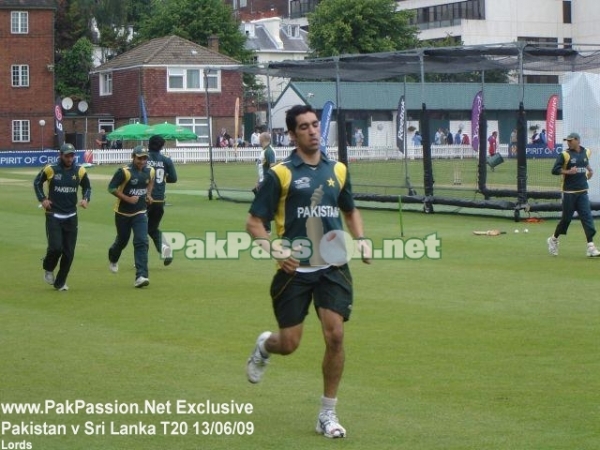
x: 340, y: 27
x: 72, y: 70
x: 491, y: 76
x: 195, y: 20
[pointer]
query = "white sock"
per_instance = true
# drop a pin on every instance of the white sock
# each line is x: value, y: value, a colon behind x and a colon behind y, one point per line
x: 590, y: 244
x: 263, y: 350
x: 328, y: 404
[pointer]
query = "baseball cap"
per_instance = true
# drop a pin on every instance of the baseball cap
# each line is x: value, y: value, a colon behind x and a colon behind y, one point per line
x: 65, y: 149
x: 573, y: 136
x: 140, y: 150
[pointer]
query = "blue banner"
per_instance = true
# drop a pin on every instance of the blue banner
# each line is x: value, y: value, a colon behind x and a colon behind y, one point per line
x: 325, y: 122
x: 34, y: 159
x: 533, y: 151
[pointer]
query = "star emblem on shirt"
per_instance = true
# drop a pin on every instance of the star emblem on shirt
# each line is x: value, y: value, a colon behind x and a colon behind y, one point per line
x: 330, y: 182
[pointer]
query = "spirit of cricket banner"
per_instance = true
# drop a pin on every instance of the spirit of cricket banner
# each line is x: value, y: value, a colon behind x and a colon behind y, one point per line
x: 58, y: 125
x: 35, y: 158
x: 401, y: 123
x: 325, y: 122
x: 551, y: 121
x: 475, y: 113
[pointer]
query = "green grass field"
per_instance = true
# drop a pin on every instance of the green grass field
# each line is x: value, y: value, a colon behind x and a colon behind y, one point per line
x: 493, y: 346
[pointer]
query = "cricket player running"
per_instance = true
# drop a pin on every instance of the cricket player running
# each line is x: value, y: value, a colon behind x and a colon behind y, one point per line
x: 60, y: 205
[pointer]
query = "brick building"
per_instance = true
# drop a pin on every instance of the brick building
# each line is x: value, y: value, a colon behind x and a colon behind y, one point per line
x: 165, y: 79
x: 26, y: 74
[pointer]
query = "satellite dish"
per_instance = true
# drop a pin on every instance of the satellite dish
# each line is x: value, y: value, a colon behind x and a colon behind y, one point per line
x: 67, y: 103
x: 82, y: 106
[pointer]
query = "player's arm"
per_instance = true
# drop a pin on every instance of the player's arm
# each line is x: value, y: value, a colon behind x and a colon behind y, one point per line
x: 354, y: 224
x: 86, y: 188
x: 149, y: 198
x: 38, y: 187
x: 113, y: 187
x: 171, y: 172
x: 557, y: 168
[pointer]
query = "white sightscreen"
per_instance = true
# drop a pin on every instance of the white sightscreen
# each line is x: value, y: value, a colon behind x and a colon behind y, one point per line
x: 581, y: 114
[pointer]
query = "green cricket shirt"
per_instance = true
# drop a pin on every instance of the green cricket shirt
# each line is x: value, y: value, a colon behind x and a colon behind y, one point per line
x: 131, y: 182
x: 63, y: 183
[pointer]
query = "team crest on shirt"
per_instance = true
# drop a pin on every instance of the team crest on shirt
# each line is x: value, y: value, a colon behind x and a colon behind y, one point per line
x: 330, y: 182
x: 58, y: 176
x: 134, y: 181
x: 302, y: 183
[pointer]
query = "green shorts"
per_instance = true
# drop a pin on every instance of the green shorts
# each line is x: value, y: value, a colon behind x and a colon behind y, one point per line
x: 331, y: 288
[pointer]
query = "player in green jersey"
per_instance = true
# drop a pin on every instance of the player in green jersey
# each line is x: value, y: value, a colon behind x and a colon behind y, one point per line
x: 308, y: 195
x: 132, y: 185
x: 164, y: 173
x: 60, y: 205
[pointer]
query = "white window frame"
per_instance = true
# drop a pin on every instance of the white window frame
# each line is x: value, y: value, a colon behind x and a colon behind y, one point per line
x: 19, y: 22
x: 21, y: 131
x: 19, y: 74
x: 106, y: 83
x: 200, y: 126
x: 184, y: 75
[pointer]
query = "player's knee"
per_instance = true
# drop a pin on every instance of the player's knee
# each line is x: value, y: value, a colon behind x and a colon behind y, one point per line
x: 288, y: 345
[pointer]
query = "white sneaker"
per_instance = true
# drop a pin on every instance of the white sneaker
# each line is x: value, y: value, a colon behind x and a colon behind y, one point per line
x: 552, y: 246
x: 113, y: 267
x: 592, y: 251
x: 329, y: 426
x: 257, y: 363
x: 63, y: 288
x: 48, y: 277
x: 167, y: 254
x: 141, y: 282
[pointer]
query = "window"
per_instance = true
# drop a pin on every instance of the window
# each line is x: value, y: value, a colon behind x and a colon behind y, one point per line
x: 567, y: 12
x: 198, y: 125
x: 182, y: 79
x: 19, y: 22
x: 21, y: 131
x: 106, y: 85
x: 20, y: 75
x: 292, y: 30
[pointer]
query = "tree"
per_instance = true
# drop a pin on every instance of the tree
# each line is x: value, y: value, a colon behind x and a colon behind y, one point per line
x: 340, y: 27
x: 196, y: 20
x: 490, y: 76
x: 72, y: 69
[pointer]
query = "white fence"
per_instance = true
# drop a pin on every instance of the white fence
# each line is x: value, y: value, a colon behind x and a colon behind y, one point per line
x: 252, y: 154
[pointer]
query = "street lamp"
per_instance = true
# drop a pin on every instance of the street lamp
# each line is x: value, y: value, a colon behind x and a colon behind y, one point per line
x: 42, y: 124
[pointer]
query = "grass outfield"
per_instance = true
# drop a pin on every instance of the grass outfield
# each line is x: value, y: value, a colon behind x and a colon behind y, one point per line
x: 493, y: 346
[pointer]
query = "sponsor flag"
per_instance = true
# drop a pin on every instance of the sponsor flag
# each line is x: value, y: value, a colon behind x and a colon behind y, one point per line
x: 236, y: 122
x: 401, y: 123
x: 475, y: 114
x: 143, y: 110
x: 551, y: 121
x: 325, y: 122
x: 58, y: 125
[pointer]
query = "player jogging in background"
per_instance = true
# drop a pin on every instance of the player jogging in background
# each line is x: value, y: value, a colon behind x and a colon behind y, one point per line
x: 164, y: 172
x: 60, y: 206
x: 132, y: 185
x: 574, y: 166
x: 308, y: 195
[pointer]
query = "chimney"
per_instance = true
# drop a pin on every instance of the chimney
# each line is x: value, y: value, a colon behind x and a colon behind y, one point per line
x: 213, y: 43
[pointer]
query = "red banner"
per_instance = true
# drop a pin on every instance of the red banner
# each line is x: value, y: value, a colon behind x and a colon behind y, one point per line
x: 551, y: 121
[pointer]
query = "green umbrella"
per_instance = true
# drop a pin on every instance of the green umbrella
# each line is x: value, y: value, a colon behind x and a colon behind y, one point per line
x: 133, y: 131
x: 170, y: 131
